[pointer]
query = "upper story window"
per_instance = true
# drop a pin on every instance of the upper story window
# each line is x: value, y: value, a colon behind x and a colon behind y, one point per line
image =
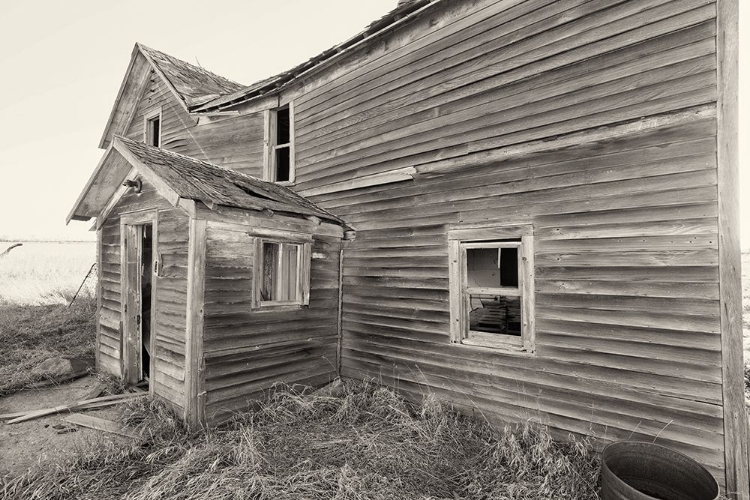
x: 492, y: 287
x: 152, y: 128
x: 279, y: 139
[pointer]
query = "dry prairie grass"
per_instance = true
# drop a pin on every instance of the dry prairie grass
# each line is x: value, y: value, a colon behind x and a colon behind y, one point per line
x: 368, y: 443
x: 44, y: 272
x: 30, y: 334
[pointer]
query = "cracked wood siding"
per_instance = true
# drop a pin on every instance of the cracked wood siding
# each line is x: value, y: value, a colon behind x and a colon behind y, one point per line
x: 624, y: 216
x: 171, y: 292
x: 247, y: 351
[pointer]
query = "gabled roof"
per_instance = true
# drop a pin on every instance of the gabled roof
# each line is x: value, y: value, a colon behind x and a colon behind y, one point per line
x: 193, y: 85
x: 179, y: 177
x: 190, y: 85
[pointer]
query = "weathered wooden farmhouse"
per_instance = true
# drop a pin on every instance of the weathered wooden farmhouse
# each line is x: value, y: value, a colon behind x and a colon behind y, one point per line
x: 527, y: 207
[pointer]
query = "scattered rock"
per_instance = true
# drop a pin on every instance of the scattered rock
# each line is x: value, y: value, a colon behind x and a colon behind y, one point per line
x: 334, y: 389
x: 60, y: 367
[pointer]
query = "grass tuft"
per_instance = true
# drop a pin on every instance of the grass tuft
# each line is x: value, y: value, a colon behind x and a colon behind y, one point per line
x: 30, y: 334
x: 368, y: 443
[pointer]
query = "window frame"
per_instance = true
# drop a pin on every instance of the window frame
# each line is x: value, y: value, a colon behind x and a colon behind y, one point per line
x: 270, y: 146
x: 304, y: 257
x: 460, y: 240
x: 147, y: 119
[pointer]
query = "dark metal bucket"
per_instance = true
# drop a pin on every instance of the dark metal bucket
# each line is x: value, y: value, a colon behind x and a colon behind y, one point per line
x: 633, y: 470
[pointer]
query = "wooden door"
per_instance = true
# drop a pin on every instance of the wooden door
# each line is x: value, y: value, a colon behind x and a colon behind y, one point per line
x: 132, y: 368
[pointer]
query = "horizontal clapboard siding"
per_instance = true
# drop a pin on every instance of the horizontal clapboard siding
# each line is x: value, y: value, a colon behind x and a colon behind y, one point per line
x: 171, y: 292
x: 246, y: 352
x: 110, y: 329
x: 624, y: 211
x: 235, y: 142
x: 171, y: 296
x: 487, y: 111
x: 174, y: 120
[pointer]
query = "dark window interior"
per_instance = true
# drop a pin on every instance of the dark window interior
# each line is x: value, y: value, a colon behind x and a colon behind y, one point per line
x: 282, y: 164
x: 282, y: 127
x: 509, y: 267
x: 282, y: 147
x: 154, y: 131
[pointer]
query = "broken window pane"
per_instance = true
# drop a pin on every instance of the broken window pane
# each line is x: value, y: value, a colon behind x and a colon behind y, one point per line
x: 495, y: 314
x: 270, y: 265
x: 282, y: 127
x: 153, y: 132
x: 288, y: 279
x: 280, y: 272
x: 509, y: 267
x: 492, y: 267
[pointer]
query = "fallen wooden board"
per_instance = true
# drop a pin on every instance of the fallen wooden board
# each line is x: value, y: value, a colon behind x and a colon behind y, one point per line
x: 83, y: 404
x: 8, y: 416
x: 100, y: 424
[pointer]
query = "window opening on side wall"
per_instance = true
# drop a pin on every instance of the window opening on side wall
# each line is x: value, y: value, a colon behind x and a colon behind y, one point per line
x: 282, y: 273
x: 152, y: 129
x: 279, y: 156
x: 492, y: 287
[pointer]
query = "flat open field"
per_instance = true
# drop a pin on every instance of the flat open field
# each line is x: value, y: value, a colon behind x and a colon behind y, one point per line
x: 746, y: 304
x: 44, y: 272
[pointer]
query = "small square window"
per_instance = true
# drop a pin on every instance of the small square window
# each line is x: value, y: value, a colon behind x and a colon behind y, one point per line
x: 279, y: 157
x: 152, y: 129
x: 282, y: 273
x: 492, y: 288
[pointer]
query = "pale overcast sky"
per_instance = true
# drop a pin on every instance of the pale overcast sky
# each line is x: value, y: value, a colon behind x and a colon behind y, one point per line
x: 62, y: 64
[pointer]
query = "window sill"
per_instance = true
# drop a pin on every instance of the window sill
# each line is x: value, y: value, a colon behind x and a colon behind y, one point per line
x: 511, y: 345
x: 284, y: 183
x: 279, y: 306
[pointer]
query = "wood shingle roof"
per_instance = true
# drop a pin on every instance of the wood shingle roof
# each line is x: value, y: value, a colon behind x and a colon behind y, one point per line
x: 179, y: 177
x: 193, y: 84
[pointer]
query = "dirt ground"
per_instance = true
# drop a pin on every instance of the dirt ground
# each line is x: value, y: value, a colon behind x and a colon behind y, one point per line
x: 26, y: 443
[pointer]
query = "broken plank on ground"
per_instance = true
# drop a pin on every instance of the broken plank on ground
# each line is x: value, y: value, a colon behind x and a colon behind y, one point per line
x: 80, y: 405
x: 100, y: 424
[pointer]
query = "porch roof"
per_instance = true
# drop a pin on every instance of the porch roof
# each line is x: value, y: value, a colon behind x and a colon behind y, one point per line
x: 179, y: 177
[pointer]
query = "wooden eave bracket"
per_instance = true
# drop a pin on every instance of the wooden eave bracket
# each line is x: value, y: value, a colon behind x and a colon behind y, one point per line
x: 162, y: 187
x: 390, y: 177
x: 138, y: 167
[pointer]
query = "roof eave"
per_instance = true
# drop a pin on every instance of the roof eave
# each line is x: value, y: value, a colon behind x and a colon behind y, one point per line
x: 320, y: 62
x: 72, y: 214
x: 104, y: 141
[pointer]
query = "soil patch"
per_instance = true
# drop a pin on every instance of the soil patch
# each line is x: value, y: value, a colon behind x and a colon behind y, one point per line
x: 27, y: 443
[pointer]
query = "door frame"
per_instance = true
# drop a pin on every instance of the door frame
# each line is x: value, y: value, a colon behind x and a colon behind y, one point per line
x: 131, y: 356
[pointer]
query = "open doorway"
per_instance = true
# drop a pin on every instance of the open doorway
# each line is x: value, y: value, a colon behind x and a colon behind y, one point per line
x: 147, y: 264
x: 138, y: 285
